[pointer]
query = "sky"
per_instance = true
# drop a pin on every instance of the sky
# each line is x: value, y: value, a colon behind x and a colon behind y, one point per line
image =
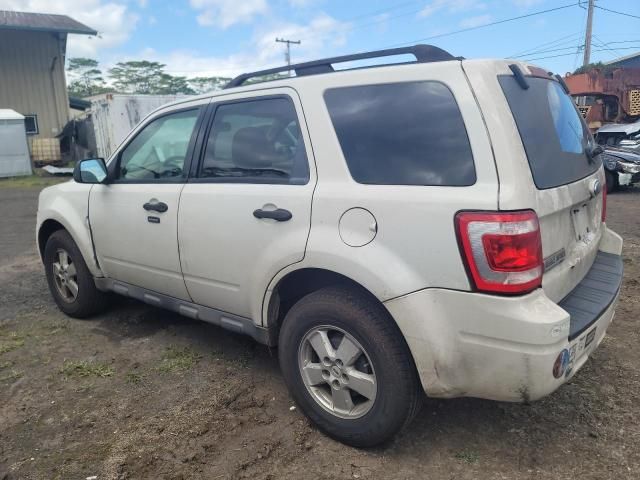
x: 228, y: 37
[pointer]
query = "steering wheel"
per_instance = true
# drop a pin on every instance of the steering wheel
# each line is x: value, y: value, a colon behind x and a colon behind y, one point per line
x: 159, y: 154
x: 172, y: 166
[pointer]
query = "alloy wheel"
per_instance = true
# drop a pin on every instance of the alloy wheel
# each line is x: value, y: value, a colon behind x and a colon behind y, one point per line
x: 337, y: 372
x: 65, y: 276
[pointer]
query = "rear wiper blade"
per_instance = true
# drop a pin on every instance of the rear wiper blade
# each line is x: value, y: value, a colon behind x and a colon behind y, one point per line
x: 593, y: 151
x: 519, y: 76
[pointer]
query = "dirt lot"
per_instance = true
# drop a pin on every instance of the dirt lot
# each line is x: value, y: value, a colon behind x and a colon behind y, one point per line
x: 142, y: 393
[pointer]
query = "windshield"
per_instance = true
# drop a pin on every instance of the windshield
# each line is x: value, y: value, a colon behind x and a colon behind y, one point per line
x: 553, y: 133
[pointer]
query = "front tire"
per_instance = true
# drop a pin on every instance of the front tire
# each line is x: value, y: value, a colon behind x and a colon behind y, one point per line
x: 348, y: 367
x: 70, y: 281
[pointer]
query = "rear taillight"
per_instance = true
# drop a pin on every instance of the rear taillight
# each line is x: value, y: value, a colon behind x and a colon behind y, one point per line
x: 502, y: 250
x: 604, y: 203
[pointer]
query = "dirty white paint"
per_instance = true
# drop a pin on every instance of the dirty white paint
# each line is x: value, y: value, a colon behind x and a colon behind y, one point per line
x: 114, y: 116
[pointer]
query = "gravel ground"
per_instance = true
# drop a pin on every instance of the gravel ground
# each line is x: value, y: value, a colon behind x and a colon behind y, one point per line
x: 142, y: 393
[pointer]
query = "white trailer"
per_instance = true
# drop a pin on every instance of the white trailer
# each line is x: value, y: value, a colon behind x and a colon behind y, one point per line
x: 115, y: 115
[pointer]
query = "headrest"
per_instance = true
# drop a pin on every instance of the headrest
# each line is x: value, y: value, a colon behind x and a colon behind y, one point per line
x: 251, y: 148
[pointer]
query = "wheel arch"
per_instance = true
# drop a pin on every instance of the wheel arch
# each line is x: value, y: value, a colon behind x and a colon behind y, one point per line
x: 298, y: 283
x: 54, y: 223
x: 48, y: 228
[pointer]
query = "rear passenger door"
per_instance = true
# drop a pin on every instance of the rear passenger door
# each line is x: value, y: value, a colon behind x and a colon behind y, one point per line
x: 245, y: 213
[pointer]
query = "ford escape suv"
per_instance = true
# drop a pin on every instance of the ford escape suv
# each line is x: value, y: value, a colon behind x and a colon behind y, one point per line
x: 431, y: 226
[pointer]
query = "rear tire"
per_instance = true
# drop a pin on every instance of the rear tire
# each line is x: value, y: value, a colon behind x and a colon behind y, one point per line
x: 611, y: 180
x: 384, y: 372
x: 70, y: 281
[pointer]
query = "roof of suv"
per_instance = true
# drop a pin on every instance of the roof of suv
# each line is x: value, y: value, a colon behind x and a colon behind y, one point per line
x: 423, y: 54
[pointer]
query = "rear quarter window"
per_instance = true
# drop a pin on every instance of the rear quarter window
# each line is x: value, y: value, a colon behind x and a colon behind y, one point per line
x: 402, y: 134
x: 553, y: 133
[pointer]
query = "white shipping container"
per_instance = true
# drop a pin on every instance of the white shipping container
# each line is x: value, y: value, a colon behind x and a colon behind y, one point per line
x: 115, y: 115
x: 14, y: 150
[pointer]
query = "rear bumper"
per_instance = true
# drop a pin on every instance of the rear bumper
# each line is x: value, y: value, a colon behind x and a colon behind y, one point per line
x: 505, y: 348
x: 594, y: 294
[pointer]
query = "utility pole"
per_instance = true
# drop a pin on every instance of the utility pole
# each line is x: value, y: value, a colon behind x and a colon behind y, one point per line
x: 287, y: 54
x: 587, y: 35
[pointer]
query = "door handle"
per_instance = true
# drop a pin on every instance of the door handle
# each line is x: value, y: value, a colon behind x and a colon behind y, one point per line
x: 159, y: 207
x: 280, y: 214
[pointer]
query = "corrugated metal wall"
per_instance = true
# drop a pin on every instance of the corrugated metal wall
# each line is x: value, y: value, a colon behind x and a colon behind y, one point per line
x: 28, y: 85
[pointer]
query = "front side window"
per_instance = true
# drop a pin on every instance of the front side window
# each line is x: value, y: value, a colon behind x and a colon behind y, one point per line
x: 257, y: 141
x: 402, y: 134
x: 159, y: 150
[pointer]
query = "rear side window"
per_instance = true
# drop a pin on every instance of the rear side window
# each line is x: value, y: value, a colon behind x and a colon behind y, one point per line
x: 402, y: 134
x: 552, y: 131
x: 256, y: 141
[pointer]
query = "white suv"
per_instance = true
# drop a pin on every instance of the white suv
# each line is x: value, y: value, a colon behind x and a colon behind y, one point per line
x: 436, y: 225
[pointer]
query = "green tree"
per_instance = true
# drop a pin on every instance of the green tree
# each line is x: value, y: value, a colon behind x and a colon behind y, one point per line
x: 207, y: 84
x: 149, y: 78
x: 86, y: 77
x: 171, y: 85
x: 266, y: 78
x: 138, y: 76
x: 591, y: 66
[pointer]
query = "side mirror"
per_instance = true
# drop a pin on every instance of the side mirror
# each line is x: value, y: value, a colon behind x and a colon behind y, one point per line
x: 90, y: 170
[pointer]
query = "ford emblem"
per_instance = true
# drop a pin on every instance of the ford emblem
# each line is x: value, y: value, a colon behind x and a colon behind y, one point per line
x: 596, y: 187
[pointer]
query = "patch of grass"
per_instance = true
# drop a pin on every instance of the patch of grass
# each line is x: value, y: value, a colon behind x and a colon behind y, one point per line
x: 55, y: 327
x: 133, y: 377
x: 178, y: 359
x: 5, y: 365
x: 31, y: 181
x: 243, y: 360
x: 85, y: 369
x: 84, y: 388
x: 467, y: 456
x: 13, y: 342
x: 11, y: 376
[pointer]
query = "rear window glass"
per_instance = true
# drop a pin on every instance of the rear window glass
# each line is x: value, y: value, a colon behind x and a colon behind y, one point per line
x: 552, y: 131
x: 402, y: 134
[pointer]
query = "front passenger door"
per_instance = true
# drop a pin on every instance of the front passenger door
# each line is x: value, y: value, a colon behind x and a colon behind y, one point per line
x: 134, y: 217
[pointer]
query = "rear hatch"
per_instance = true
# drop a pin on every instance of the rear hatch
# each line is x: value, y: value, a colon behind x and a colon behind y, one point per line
x: 563, y: 182
x: 542, y: 153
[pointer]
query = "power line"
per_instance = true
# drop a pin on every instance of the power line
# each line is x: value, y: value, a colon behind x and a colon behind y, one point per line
x: 623, y: 41
x: 619, y: 13
x: 606, y: 45
x: 546, y: 44
x: 498, y: 22
x: 538, y: 52
x: 567, y: 54
x: 552, y: 47
x: 576, y: 59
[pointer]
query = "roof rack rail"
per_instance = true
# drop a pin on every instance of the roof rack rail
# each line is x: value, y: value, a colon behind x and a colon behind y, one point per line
x: 423, y: 54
